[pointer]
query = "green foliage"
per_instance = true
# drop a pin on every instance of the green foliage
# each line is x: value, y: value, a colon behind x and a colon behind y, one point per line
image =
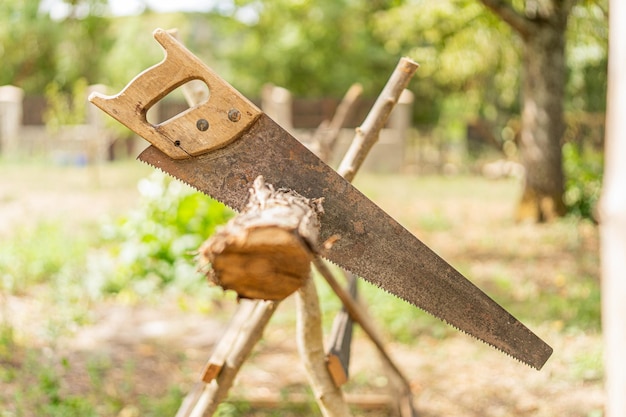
x: 465, y: 53
x: 36, y: 49
x: 573, y: 304
x: 229, y: 409
x: 155, y: 245
x: 27, y: 45
x: 587, y: 52
x: 311, y: 48
x: 583, y: 172
x: 65, y: 108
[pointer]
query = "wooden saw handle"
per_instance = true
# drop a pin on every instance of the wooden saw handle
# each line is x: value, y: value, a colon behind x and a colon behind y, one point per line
x: 206, y: 126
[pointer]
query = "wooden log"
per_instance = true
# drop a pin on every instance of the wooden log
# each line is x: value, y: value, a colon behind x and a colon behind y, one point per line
x: 265, y: 251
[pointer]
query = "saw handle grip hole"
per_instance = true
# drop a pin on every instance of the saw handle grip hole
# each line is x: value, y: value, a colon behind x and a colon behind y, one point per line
x: 177, y: 102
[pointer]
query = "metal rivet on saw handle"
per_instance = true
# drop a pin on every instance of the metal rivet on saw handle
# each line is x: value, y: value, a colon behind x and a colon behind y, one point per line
x: 202, y: 125
x: 234, y: 115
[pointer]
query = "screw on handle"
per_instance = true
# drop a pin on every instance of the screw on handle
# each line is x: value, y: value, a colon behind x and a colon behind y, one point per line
x: 209, y: 125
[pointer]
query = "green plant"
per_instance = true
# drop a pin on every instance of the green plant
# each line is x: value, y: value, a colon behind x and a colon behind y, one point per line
x: 583, y: 171
x: 65, y: 108
x: 166, y: 405
x: 154, y: 246
x: 38, y: 255
x: 41, y: 390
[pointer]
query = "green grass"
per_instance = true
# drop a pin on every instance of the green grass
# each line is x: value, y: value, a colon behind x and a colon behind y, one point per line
x: 38, y: 255
x: 547, y: 276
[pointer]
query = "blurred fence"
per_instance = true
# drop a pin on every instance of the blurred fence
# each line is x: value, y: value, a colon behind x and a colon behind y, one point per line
x: 403, y: 147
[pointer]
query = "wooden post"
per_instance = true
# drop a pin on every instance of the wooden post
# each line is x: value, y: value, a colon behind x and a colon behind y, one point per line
x: 613, y: 218
x: 276, y: 102
x: 327, y: 133
x: 10, y: 118
x: 205, y: 398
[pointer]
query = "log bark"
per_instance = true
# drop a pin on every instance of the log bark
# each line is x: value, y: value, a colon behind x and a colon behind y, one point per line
x: 265, y: 251
x: 613, y: 218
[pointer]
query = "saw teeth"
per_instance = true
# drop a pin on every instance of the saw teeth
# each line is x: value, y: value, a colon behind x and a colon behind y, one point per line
x: 187, y: 184
x: 375, y: 284
x: 439, y: 318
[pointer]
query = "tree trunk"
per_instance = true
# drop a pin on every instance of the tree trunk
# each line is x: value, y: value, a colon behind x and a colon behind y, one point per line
x: 542, y: 122
x: 542, y: 29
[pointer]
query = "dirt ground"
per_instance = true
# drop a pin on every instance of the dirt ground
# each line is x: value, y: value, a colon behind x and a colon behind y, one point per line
x: 163, y: 345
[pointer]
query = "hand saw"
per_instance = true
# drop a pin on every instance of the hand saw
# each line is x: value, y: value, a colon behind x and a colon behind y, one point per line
x: 221, y: 145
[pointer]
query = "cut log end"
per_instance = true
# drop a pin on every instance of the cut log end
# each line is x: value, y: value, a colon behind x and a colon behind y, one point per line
x: 269, y: 263
x: 265, y: 251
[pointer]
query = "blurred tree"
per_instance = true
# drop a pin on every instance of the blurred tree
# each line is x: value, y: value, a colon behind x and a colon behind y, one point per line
x: 541, y: 25
x: 36, y: 49
x: 469, y: 60
x: 310, y: 47
x: 134, y: 49
x: 84, y: 40
x: 27, y: 44
x: 471, y: 67
x: 587, y: 52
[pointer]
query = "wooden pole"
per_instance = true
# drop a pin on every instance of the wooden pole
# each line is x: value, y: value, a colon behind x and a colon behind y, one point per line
x: 326, y: 136
x: 328, y: 395
x: 357, y: 313
x: 205, y: 398
x: 340, y: 339
x: 613, y: 218
x: 367, y: 134
x: 365, y: 138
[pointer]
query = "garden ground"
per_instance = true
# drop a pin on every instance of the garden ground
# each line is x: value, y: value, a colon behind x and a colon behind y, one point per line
x: 65, y: 353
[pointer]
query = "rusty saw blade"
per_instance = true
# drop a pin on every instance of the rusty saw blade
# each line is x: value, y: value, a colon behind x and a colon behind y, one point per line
x: 220, y: 147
